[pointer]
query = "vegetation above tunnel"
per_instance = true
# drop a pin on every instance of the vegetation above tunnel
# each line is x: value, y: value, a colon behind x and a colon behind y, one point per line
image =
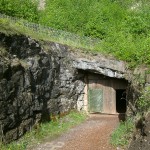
x: 123, y: 27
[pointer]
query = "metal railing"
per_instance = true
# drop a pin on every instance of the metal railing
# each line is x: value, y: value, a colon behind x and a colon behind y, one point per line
x: 56, y: 35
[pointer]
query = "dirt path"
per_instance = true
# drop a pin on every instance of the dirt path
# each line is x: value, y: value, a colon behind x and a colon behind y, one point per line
x: 94, y: 134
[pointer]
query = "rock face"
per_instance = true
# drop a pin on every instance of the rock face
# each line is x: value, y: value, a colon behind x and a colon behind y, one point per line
x: 107, y: 67
x: 34, y: 84
x: 38, y: 80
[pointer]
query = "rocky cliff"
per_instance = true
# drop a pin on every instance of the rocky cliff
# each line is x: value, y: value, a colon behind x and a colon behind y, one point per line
x: 34, y: 84
x: 41, y: 79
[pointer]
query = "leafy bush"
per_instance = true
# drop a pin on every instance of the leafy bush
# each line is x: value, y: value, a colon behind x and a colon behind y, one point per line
x: 23, y: 9
x: 143, y: 102
x: 85, y: 17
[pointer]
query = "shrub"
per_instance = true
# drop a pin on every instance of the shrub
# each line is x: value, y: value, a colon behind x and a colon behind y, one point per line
x: 22, y: 9
x: 143, y: 102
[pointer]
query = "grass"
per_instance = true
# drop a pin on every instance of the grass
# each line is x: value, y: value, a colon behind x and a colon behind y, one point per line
x: 118, y: 28
x: 46, y: 131
x: 122, y: 47
x: 133, y: 49
x: 121, y: 136
x: 9, y: 26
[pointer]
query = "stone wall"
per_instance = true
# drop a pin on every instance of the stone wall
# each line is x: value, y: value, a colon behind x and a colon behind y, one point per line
x: 36, y: 81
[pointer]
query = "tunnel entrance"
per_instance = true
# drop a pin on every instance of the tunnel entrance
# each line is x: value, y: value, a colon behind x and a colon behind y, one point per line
x: 105, y: 94
x: 121, y: 100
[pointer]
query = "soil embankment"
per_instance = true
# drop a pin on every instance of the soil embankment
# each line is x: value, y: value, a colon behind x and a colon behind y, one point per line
x: 142, y: 136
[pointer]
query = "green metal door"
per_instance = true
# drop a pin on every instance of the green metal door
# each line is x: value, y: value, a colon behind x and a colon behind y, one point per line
x: 95, y: 100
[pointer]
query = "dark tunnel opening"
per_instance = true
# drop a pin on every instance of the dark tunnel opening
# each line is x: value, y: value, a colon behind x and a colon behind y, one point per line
x: 121, y: 105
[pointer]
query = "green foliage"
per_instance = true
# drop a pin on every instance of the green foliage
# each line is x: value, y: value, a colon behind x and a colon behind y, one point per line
x: 85, y: 17
x: 48, y: 130
x: 122, y: 135
x: 143, y: 102
x: 23, y: 9
x: 122, y: 26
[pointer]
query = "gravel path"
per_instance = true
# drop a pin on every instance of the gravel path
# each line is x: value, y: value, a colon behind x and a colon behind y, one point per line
x: 94, y: 134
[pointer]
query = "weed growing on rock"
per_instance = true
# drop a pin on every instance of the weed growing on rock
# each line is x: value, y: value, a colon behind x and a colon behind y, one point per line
x: 143, y: 102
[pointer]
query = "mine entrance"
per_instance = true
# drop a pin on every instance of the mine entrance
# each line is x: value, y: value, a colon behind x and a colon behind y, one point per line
x: 121, y: 100
x: 105, y: 94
